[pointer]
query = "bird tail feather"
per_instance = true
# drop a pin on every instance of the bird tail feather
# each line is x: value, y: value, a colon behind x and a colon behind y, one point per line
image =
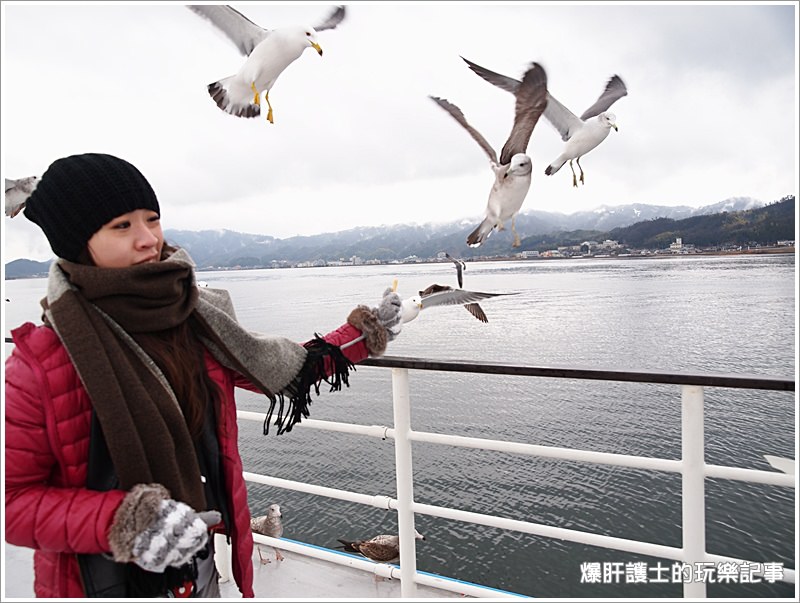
x: 233, y: 99
x: 347, y: 545
x: 479, y: 235
x: 554, y: 167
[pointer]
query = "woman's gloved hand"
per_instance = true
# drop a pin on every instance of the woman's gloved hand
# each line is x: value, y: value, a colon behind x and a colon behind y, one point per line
x: 154, y: 531
x: 381, y: 324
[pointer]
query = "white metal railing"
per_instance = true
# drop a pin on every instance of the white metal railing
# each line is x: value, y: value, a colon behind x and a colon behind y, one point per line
x: 692, y: 468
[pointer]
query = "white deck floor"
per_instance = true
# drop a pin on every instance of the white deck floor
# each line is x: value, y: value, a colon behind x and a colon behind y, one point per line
x: 296, y: 577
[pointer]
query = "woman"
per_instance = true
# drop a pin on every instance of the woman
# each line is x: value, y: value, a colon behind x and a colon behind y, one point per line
x: 121, y: 435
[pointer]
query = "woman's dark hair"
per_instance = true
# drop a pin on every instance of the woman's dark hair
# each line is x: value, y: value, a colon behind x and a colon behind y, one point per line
x: 178, y: 352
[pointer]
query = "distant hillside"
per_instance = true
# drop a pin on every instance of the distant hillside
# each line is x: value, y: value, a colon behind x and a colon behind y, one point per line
x: 386, y: 243
x: 737, y: 220
x: 767, y: 224
x: 27, y: 269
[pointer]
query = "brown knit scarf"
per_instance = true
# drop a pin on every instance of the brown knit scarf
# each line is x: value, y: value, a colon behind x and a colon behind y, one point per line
x: 94, y: 311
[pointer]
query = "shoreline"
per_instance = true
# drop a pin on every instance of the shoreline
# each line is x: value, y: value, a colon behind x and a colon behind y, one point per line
x: 758, y: 251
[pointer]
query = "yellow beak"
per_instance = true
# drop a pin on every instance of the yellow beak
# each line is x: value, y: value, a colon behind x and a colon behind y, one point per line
x: 317, y: 47
x: 616, y: 129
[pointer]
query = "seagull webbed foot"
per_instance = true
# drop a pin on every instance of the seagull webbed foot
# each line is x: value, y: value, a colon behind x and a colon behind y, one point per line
x: 269, y: 113
x: 516, y: 242
x: 263, y: 561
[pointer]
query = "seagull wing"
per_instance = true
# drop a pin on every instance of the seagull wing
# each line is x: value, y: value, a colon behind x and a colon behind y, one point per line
x: 477, y: 312
x: 459, y: 117
x: 17, y: 193
x: 501, y: 81
x: 333, y: 20
x: 615, y: 90
x: 456, y: 297
x: 245, y: 34
x: 380, y: 550
x: 531, y: 103
x: 562, y: 119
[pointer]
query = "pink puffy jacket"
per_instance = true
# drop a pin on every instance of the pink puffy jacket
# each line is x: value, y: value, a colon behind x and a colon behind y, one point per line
x: 47, y: 421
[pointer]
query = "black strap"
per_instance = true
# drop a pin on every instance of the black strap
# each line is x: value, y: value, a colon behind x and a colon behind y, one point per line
x: 102, y: 577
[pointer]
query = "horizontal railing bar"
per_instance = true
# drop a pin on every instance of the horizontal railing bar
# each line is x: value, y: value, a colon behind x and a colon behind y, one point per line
x: 468, y: 366
x: 773, y: 478
x: 702, y: 379
x: 377, y: 500
x: 569, y: 454
x: 536, y: 529
x: 588, y: 538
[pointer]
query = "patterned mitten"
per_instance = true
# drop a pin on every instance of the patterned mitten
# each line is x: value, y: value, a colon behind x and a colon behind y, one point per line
x: 154, y: 531
x: 389, y: 313
x: 378, y: 325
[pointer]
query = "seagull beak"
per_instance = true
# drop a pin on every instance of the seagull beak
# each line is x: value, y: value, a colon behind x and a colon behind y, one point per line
x: 616, y: 129
x: 317, y: 47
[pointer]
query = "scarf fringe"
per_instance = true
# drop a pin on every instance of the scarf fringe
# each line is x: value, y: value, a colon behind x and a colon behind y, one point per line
x: 313, y: 373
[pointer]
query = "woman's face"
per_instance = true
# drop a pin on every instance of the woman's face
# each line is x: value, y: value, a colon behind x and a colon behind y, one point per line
x: 129, y: 239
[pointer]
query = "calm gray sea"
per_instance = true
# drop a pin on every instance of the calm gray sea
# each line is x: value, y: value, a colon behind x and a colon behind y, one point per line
x: 732, y: 314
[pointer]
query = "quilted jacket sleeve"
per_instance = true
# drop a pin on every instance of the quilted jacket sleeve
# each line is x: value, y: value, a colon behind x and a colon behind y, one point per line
x: 46, y: 452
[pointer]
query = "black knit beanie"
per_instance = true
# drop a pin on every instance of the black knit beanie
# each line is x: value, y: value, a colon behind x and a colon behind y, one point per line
x: 79, y: 194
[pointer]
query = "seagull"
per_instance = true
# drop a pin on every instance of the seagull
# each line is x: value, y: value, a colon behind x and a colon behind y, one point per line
x: 442, y: 295
x: 17, y: 193
x: 582, y: 134
x: 513, y: 172
x: 268, y: 525
x: 384, y: 548
x: 268, y: 53
x: 460, y: 267
x: 473, y: 308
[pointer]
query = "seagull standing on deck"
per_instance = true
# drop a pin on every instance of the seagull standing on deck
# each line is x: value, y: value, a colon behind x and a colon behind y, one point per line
x: 513, y: 172
x: 581, y: 134
x: 268, y: 525
x: 384, y: 548
x: 268, y: 53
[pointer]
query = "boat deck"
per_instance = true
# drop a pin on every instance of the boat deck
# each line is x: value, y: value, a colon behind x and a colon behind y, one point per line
x: 298, y: 576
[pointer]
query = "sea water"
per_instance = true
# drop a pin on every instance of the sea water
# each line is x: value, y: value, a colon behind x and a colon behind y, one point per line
x: 722, y: 314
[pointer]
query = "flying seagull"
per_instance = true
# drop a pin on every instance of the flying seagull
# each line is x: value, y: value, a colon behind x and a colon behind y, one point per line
x: 472, y: 308
x: 460, y: 267
x: 384, y: 548
x: 435, y: 295
x: 268, y: 525
x: 513, y: 172
x: 442, y: 295
x: 581, y: 134
x: 17, y: 193
x: 268, y: 53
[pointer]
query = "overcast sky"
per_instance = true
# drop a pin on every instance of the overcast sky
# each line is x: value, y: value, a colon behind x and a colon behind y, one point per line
x: 711, y: 111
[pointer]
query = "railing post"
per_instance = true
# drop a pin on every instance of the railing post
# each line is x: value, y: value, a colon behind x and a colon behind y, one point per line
x: 693, y: 474
x: 405, y: 482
